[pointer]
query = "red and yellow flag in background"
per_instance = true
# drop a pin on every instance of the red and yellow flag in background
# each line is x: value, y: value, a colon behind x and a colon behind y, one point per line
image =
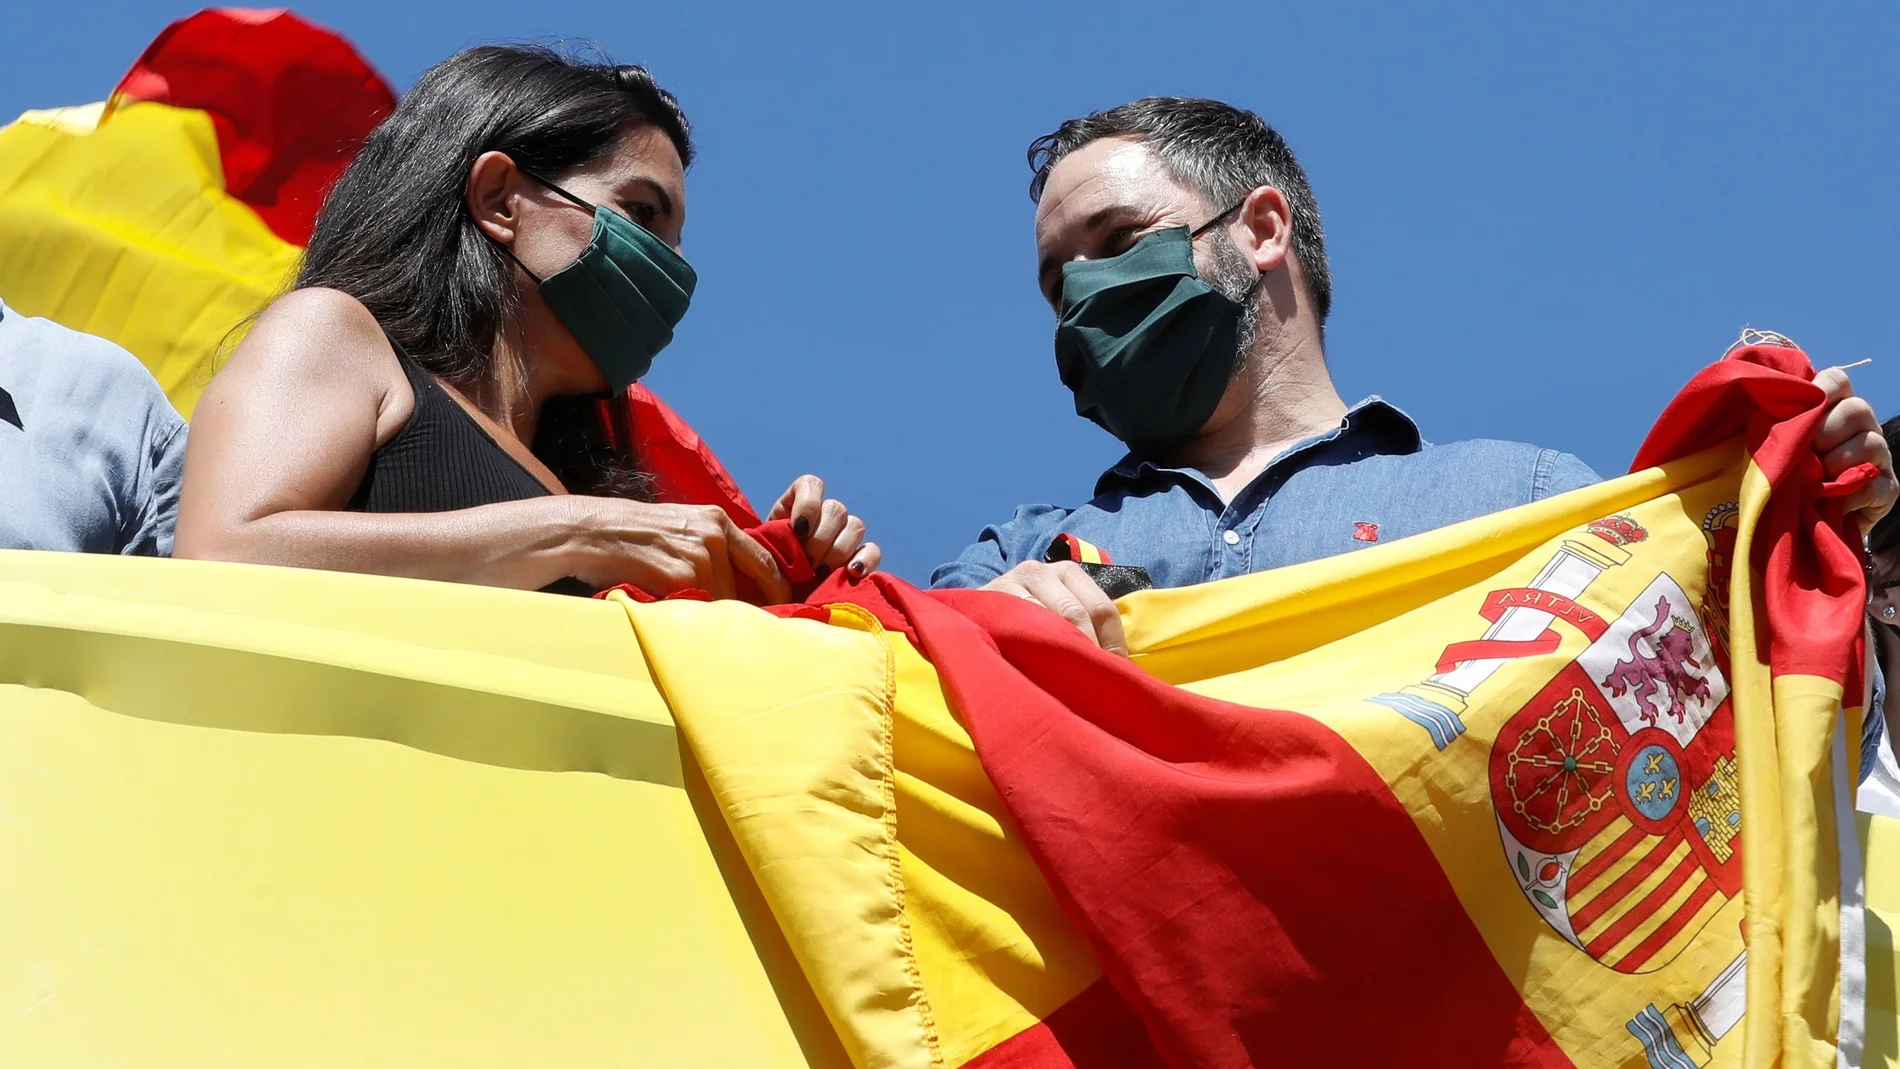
x: 167, y: 215
x: 1564, y: 786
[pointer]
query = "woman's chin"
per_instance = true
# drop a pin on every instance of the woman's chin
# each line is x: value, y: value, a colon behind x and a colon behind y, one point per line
x: 577, y: 380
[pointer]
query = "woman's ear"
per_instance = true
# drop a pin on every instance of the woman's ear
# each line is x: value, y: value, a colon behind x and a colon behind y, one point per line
x: 1269, y: 228
x: 1886, y: 605
x: 494, y: 186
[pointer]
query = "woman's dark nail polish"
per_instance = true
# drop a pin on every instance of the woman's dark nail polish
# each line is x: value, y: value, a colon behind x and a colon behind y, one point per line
x: 856, y: 569
x: 821, y: 571
x: 801, y: 527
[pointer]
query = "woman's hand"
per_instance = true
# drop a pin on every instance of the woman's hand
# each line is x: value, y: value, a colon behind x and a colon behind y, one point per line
x: 833, y: 537
x: 663, y: 549
x: 1849, y: 434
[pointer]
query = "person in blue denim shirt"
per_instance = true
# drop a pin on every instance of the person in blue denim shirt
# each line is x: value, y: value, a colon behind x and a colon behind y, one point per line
x: 91, y: 452
x: 1179, y: 243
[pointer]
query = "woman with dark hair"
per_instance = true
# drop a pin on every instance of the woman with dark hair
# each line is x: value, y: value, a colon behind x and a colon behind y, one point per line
x: 1883, y: 584
x: 425, y: 401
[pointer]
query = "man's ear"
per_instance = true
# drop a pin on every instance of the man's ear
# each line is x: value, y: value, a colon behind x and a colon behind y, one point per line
x: 1268, y: 224
x: 494, y: 185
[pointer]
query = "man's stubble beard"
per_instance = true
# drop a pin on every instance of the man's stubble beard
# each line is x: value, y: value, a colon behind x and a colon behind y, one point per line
x: 1234, y: 277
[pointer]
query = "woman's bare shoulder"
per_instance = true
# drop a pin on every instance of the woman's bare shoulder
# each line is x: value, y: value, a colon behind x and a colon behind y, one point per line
x: 318, y: 329
x: 315, y: 349
x: 316, y: 343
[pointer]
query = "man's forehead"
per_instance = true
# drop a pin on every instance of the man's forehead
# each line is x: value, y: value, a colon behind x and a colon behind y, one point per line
x: 1104, y: 175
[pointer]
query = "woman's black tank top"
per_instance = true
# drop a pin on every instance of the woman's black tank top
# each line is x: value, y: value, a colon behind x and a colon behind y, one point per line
x: 442, y: 460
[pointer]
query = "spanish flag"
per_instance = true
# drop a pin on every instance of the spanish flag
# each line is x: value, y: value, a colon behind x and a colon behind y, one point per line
x: 1564, y: 786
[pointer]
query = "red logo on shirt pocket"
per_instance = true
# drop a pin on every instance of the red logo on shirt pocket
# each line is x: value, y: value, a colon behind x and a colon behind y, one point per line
x: 1365, y: 532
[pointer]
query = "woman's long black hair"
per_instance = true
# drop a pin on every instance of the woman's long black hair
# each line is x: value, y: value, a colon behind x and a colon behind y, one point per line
x: 394, y: 232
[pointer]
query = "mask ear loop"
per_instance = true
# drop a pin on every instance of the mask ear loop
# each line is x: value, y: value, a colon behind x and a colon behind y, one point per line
x: 1209, y: 225
x: 510, y: 253
x: 1258, y: 276
x: 578, y: 203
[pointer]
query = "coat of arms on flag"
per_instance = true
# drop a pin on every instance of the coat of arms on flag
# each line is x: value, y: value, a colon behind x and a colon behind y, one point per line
x: 1615, y: 784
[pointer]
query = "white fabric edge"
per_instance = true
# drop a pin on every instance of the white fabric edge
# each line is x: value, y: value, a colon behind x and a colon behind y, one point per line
x: 1851, y: 1038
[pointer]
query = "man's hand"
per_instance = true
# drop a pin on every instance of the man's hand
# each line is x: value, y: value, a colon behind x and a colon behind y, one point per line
x: 1066, y: 590
x: 1850, y: 434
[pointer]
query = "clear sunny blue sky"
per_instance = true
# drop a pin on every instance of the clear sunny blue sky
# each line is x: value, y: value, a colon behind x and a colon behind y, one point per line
x: 1542, y: 218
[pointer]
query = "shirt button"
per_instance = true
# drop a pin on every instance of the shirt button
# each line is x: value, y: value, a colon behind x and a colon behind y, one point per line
x: 1230, y: 536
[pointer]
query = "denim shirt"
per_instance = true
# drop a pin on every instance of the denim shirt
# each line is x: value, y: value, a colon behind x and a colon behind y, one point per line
x: 1370, y: 480
x: 1873, y: 725
x: 91, y: 453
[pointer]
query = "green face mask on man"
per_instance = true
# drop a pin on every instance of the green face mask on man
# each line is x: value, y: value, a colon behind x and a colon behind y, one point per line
x: 1146, y: 345
x: 622, y: 297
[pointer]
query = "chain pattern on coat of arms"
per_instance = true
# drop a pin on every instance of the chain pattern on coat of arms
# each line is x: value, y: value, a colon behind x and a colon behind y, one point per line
x: 1558, y: 773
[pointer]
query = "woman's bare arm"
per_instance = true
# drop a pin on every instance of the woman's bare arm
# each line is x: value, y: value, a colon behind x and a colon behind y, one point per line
x: 283, y: 436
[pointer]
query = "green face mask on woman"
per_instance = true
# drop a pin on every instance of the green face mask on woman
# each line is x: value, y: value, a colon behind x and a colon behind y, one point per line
x: 1146, y: 345
x: 622, y: 297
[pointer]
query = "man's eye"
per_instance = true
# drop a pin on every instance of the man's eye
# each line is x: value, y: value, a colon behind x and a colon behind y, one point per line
x: 1119, y: 240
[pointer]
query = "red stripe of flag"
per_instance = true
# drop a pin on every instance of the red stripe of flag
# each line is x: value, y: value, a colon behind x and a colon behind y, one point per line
x: 1808, y: 551
x: 1660, y: 938
x: 1642, y: 911
x: 1627, y: 882
x: 1581, y: 876
x: 684, y: 469
x: 290, y: 100
x: 1254, y: 891
x: 1094, y: 1030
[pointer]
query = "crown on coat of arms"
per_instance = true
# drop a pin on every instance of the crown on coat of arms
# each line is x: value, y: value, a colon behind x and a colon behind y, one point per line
x: 1618, y: 530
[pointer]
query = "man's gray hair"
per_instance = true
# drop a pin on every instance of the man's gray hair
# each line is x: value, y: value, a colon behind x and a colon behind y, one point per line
x: 1221, y: 151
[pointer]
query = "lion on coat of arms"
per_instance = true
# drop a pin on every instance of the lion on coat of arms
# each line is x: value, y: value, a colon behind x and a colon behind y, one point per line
x: 1669, y: 679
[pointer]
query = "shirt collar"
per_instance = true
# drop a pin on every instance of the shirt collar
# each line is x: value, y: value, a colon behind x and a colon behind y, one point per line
x: 1377, y: 425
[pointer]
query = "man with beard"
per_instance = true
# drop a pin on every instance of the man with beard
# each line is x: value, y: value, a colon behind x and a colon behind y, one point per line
x: 1180, y: 245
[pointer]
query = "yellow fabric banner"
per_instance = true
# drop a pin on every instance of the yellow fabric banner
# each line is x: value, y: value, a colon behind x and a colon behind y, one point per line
x: 256, y: 816
x: 123, y: 229
x: 256, y: 813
